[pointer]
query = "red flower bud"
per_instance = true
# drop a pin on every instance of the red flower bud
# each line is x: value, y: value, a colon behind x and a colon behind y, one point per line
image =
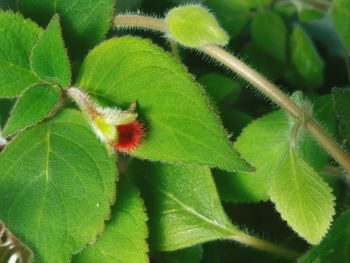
x: 130, y: 136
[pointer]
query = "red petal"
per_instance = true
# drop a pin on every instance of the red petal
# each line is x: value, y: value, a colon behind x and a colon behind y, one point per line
x: 129, y: 136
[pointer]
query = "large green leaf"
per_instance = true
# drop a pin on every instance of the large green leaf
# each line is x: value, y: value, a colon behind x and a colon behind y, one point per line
x: 180, y: 125
x: 302, y: 198
x: 305, y: 57
x: 335, y: 247
x: 270, y: 136
x: 183, y: 205
x: 49, y: 60
x: 17, y: 38
x: 340, y: 14
x: 341, y: 98
x: 33, y: 106
x: 57, y: 185
x: 124, y: 239
x: 269, y: 31
x: 84, y: 22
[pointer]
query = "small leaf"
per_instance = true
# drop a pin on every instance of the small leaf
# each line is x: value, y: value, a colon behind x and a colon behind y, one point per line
x: 231, y: 14
x: 84, y: 22
x: 183, y: 205
x: 124, y: 239
x: 190, y: 255
x: 305, y: 57
x: 302, y: 198
x: 269, y: 31
x: 340, y: 14
x: 57, y: 184
x: 194, y: 26
x: 309, y: 14
x: 335, y: 247
x: 33, y: 106
x: 341, y: 98
x: 17, y: 37
x: 180, y: 127
x: 49, y: 60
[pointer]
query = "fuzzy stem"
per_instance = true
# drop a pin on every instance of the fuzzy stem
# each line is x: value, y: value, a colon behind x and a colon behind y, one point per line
x: 256, y: 79
x: 266, y: 246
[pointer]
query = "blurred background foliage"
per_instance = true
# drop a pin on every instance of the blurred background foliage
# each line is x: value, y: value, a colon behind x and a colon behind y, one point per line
x: 291, y: 42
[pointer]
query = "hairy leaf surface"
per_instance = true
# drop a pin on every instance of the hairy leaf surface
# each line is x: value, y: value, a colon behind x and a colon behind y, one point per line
x: 17, y: 37
x: 179, y: 124
x: 183, y: 205
x: 58, y: 183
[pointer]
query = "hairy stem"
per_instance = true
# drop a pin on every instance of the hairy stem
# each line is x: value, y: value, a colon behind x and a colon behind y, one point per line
x: 264, y: 245
x: 254, y: 78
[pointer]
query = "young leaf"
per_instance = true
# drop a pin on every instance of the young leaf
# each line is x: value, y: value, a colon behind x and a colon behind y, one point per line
x: 180, y: 126
x: 33, y: 106
x: 305, y: 57
x: 270, y: 136
x: 231, y: 14
x: 58, y: 183
x: 49, y: 60
x: 194, y: 26
x: 302, y: 198
x: 84, y: 22
x: 341, y: 98
x: 335, y: 247
x: 269, y: 31
x: 17, y: 38
x: 124, y: 239
x: 340, y: 14
x: 190, y: 255
x: 183, y: 205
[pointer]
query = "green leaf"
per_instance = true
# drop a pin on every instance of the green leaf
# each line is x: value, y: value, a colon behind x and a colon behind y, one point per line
x: 33, y: 106
x: 305, y: 57
x: 269, y: 31
x: 232, y: 15
x: 341, y: 98
x: 124, y: 239
x: 309, y: 14
x: 57, y: 184
x: 335, y: 247
x: 17, y: 38
x: 340, y: 14
x: 190, y: 255
x: 49, y: 60
x: 194, y: 26
x: 219, y: 87
x: 183, y: 205
x: 270, y: 136
x: 180, y: 126
x: 84, y: 22
x: 302, y: 198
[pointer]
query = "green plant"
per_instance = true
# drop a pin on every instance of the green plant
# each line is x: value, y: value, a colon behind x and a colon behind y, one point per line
x: 111, y: 151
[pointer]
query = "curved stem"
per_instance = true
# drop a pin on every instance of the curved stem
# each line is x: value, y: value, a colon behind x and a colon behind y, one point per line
x: 254, y: 78
x: 263, y: 245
